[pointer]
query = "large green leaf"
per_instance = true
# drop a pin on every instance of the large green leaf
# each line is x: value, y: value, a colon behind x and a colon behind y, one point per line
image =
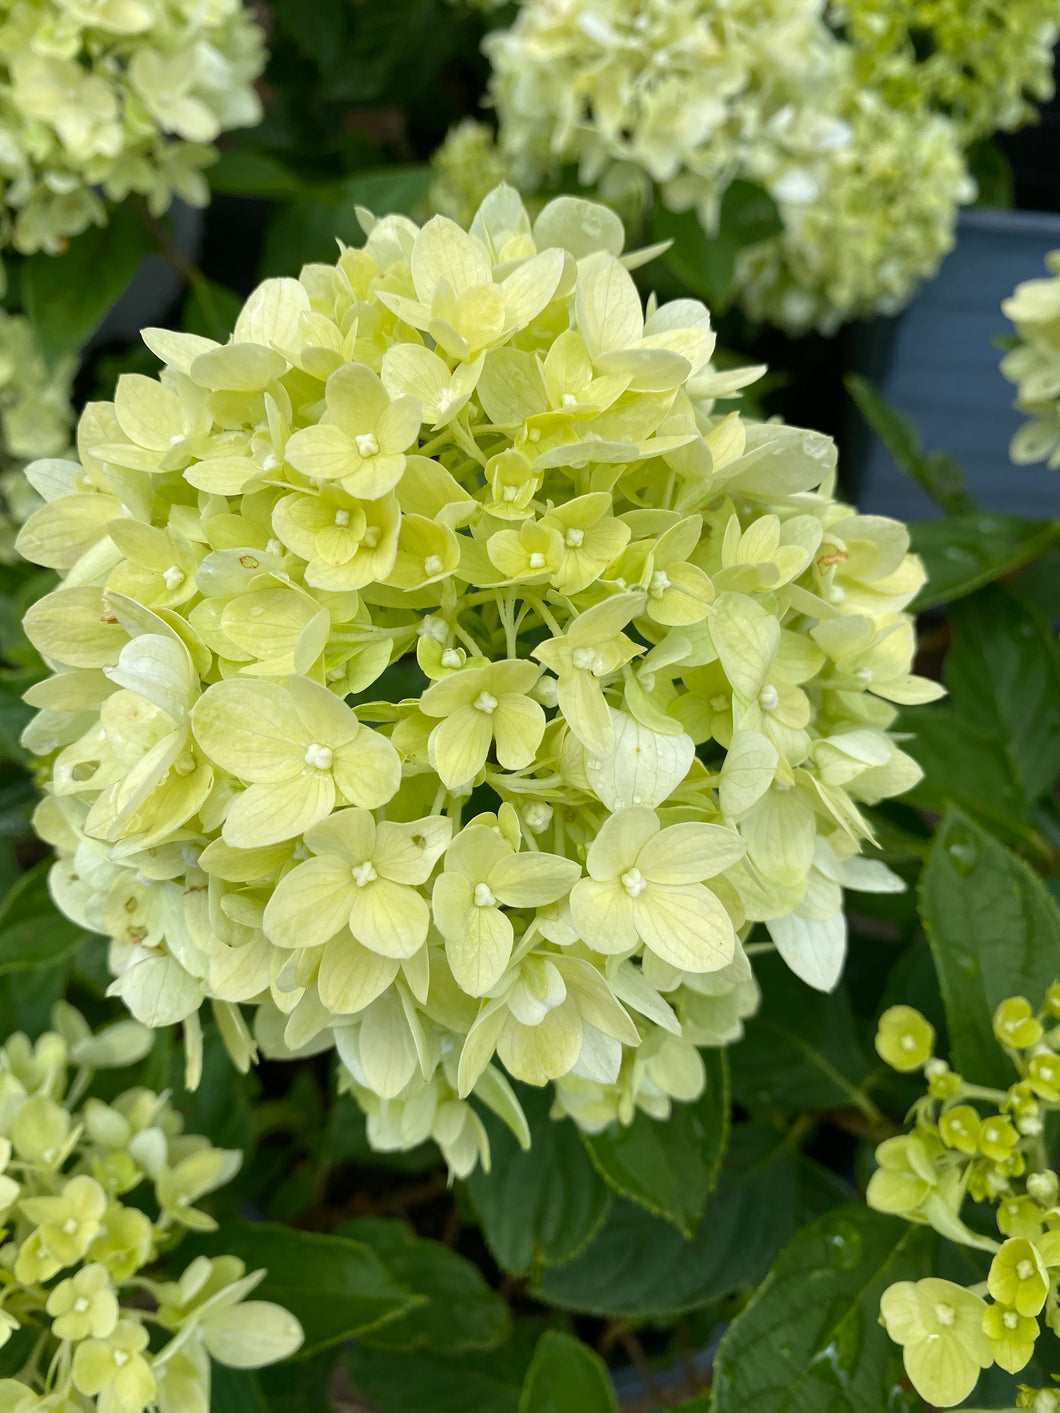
x: 67, y: 296
x: 994, y: 931
x: 33, y: 932
x: 1003, y: 672
x: 336, y: 1287
x: 565, y: 1376
x: 670, y: 1166
x: 540, y: 1207
x: 307, y: 229
x: 801, y: 1050
x: 707, y: 263
x: 966, y: 766
x: 810, y: 1339
x: 420, y: 1381
x: 963, y: 552
x: 641, y: 1266
x: 461, y: 1312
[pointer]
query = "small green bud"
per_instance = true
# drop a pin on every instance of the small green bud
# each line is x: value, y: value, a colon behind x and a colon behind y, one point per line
x: 904, y: 1039
x: 1016, y: 1025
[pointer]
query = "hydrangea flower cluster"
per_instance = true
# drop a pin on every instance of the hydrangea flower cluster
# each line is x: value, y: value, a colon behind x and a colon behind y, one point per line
x: 676, y: 98
x: 107, y: 97
x: 985, y: 65
x: 1034, y: 366
x: 387, y: 636
x: 36, y: 419
x: 75, y: 1252
x: 988, y: 1145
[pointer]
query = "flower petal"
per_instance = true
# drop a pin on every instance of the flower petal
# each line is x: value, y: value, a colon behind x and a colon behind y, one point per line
x: 685, y: 926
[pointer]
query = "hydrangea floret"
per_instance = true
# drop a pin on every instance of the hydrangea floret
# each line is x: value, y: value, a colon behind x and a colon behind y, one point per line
x: 80, y: 1246
x: 672, y: 100
x: 1033, y: 364
x: 103, y: 98
x: 986, y: 1145
x: 438, y: 672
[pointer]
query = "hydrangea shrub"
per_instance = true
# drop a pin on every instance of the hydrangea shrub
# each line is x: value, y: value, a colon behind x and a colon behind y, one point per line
x: 853, y: 117
x: 103, y: 98
x: 971, y: 1143
x: 440, y: 672
x: 81, y: 1237
x: 1034, y: 366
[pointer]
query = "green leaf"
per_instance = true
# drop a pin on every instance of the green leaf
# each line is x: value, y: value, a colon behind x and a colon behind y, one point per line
x: 966, y: 766
x: 422, y: 1382
x: 337, y: 1288
x: 540, y: 1207
x: 937, y: 473
x: 963, y: 552
x: 566, y: 1376
x: 992, y: 174
x: 237, y: 1390
x: 670, y: 1166
x: 250, y: 172
x: 295, y: 1386
x: 707, y: 263
x: 1003, y: 673
x: 68, y: 296
x: 33, y: 932
x: 994, y: 931
x: 461, y: 1311
x: 810, y: 1339
x: 640, y: 1266
x: 801, y: 1050
x: 306, y: 230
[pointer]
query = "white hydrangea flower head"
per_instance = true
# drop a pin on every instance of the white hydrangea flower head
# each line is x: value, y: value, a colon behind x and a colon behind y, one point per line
x: 1034, y: 366
x: 100, y: 98
x: 674, y: 99
x: 437, y: 673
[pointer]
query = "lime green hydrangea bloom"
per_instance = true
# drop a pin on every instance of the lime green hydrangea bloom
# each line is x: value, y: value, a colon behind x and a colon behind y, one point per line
x: 387, y: 635
x: 1034, y: 366
x: 78, y: 1258
x: 100, y: 98
x: 672, y: 100
x: 985, y: 65
x: 988, y: 1145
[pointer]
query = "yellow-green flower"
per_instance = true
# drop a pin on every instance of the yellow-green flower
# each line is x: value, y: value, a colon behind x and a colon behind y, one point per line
x: 482, y: 707
x: 1012, y: 1337
x: 940, y: 1328
x: 1018, y: 1276
x: 301, y: 749
x: 646, y: 884
x: 904, y: 1039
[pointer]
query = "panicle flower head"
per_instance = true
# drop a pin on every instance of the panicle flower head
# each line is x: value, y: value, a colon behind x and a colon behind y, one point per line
x: 77, y: 1259
x: 1034, y: 366
x: 986, y: 65
x: 673, y: 100
x: 100, y: 98
x: 438, y: 673
x: 989, y: 1145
